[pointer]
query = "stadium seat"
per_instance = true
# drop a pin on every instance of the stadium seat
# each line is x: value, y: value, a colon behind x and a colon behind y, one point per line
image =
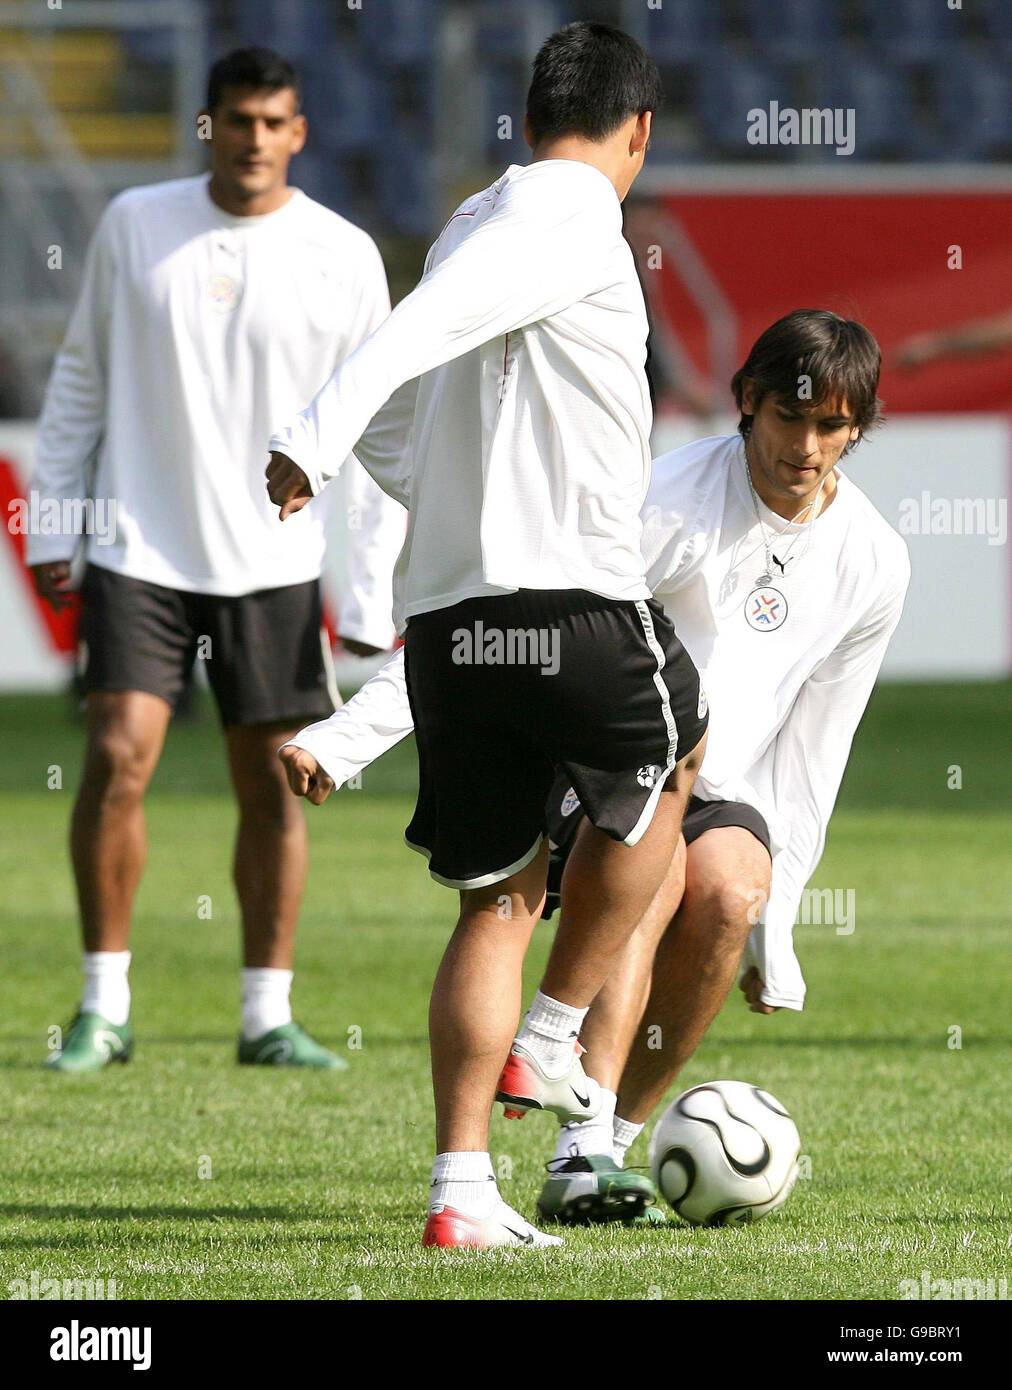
x: 400, y: 33
x: 325, y: 180
x: 403, y: 180
x: 346, y: 102
x: 293, y: 27
x: 885, y: 122
x: 909, y: 30
x: 792, y: 30
x: 516, y: 32
x: 503, y: 93
x: 683, y: 31
x: 974, y: 106
x: 728, y: 88
x: 998, y: 22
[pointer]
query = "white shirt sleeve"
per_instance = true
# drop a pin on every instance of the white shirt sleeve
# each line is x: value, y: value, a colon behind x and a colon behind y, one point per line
x: 543, y: 247
x: 376, y: 523
x: 358, y: 733
x: 812, y: 749
x: 72, y: 422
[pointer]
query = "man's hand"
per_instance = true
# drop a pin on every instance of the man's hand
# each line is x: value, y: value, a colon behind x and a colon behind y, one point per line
x: 305, y: 775
x: 52, y: 582
x: 752, y: 987
x: 287, y: 485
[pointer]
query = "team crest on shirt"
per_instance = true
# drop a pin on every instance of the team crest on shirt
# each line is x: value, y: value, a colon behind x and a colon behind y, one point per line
x: 647, y: 776
x: 569, y: 802
x: 702, y: 705
x: 765, y: 609
x: 224, y: 292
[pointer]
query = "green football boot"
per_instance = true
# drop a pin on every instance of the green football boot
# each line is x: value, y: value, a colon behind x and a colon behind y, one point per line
x: 592, y: 1188
x: 91, y: 1042
x: 288, y: 1046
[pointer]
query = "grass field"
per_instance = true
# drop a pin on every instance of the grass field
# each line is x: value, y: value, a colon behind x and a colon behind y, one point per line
x: 317, y: 1182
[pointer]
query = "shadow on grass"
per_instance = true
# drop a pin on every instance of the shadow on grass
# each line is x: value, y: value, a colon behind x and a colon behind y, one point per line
x: 83, y: 1212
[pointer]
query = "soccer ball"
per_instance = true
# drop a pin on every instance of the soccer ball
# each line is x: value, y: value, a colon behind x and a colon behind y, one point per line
x: 725, y: 1153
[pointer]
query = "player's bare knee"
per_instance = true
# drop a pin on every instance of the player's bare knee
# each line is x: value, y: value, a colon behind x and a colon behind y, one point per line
x: 733, y: 907
x: 266, y: 799
x: 117, y: 767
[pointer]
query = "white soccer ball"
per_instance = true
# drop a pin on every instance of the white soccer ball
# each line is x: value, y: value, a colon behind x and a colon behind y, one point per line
x: 724, y: 1153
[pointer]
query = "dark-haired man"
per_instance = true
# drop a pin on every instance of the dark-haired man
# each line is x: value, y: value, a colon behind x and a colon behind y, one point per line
x: 211, y: 307
x: 787, y: 585
x: 524, y: 346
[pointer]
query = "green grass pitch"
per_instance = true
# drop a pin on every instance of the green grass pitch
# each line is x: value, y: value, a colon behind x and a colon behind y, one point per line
x: 314, y: 1185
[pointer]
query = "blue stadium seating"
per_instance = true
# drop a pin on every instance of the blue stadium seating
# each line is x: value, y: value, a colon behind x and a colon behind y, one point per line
x: 683, y: 31
x: 503, y: 93
x: 324, y: 178
x: 515, y: 31
x: 879, y: 92
x: 400, y: 33
x: 729, y: 87
x: 293, y: 27
x: 792, y: 30
x: 998, y: 22
x: 974, y: 106
x: 403, y: 177
x: 914, y: 31
x: 345, y: 101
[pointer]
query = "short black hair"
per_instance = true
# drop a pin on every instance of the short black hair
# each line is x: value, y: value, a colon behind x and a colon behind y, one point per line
x: 251, y: 67
x: 840, y: 356
x: 588, y: 79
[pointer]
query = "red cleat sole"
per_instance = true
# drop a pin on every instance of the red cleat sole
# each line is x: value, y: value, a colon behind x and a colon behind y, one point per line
x: 452, y: 1230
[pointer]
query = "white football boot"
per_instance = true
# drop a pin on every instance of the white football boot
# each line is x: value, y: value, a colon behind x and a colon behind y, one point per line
x: 524, y: 1085
x: 450, y: 1229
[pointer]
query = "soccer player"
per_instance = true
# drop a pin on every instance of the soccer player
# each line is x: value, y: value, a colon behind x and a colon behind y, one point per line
x: 787, y: 584
x: 531, y: 638
x: 211, y: 307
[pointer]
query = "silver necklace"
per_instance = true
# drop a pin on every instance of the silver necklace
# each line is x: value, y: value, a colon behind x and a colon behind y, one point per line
x: 769, y: 539
x: 766, y: 607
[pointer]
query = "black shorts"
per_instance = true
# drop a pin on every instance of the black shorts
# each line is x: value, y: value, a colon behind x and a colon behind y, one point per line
x: 266, y: 654
x: 564, y: 814
x: 510, y: 690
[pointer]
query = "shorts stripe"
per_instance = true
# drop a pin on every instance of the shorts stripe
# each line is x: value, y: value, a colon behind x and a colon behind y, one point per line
x: 329, y: 671
x: 646, y: 816
x: 646, y: 618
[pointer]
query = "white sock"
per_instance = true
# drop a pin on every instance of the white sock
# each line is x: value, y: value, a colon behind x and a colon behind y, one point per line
x: 106, y: 985
x: 550, y: 1031
x: 589, y: 1136
x: 265, y: 1003
x: 624, y: 1134
x: 464, y: 1180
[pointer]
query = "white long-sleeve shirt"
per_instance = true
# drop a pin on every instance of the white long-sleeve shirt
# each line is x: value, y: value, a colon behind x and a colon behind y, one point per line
x: 784, y: 704
x: 517, y: 368
x: 196, y: 333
